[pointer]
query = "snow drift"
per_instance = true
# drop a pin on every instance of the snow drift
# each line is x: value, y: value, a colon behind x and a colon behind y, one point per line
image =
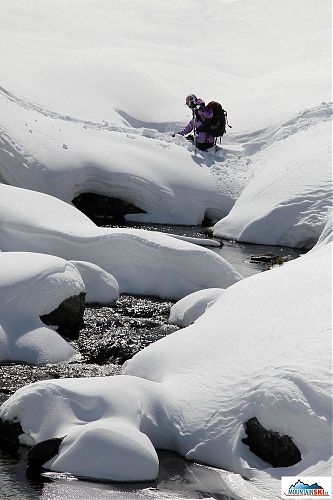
x: 288, y: 199
x: 142, y: 262
x: 242, y: 359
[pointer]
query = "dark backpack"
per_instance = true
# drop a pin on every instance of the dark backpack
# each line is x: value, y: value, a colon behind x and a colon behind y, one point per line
x: 217, y: 124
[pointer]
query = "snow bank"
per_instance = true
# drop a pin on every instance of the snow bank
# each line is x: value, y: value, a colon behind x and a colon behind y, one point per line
x: 32, y: 285
x: 193, y: 391
x: 142, y: 262
x: 191, y: 307
x: 288, y: 199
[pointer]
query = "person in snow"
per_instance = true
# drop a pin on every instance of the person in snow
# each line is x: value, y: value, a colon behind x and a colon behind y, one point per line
x: 202, y: 137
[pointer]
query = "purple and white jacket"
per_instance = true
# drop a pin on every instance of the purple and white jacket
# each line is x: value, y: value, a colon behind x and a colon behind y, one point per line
x: 200, y: 115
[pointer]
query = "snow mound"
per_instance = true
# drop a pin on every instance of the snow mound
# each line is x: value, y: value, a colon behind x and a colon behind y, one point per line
x: 193, y: 391
x: 142, y: 262
x: 288, y: 199
x: 102, y: 288
x: 187, y: 310
x: 32, y: 285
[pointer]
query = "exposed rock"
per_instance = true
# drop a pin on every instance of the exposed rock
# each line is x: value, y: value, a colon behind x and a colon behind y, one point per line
x: 68, y: 317
x: 9, y: 433
x: 42, y: 452
x: 270, y: 259
x: 272, y: 447
x: 99, y: 207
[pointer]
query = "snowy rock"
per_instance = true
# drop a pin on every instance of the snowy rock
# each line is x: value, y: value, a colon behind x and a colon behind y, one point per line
x: 33, y: 285
x: 102, y: 287
x: 187, y: 310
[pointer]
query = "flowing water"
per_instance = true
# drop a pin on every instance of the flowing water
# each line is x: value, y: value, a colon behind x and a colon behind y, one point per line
x: 111, y: 336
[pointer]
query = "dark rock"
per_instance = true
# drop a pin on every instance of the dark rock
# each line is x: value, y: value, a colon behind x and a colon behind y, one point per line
x: 42, y: 452
x: 99, y: 207
x: 9, y: 433
x: 68, y: 317
x: 272, y: 447
x: 270, y: 259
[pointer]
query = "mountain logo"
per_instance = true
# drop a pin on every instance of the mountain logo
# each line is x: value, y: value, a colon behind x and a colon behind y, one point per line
x: 305, y: 487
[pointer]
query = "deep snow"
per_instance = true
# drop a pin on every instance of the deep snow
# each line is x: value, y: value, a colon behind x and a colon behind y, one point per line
x: 88, y: 99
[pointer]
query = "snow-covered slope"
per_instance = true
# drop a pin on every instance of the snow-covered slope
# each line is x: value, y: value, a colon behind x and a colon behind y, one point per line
x: 147, y: 263
x: 264, y: 59
x: 262, y: 350
x: 32, y: 285
x: 288, y: 199
x: 64, y: 156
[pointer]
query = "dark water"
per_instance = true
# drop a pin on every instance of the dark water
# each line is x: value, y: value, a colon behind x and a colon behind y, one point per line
x: 111, y: 336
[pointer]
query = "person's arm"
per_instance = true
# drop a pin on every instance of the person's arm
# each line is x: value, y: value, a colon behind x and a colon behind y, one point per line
x: 186, y: 130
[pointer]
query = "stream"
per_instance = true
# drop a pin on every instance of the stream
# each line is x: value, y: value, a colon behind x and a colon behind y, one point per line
x: 110, y: 337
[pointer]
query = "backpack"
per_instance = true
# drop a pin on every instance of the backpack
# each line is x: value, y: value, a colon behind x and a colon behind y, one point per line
x: 219, y: 121
x: 216, y: 125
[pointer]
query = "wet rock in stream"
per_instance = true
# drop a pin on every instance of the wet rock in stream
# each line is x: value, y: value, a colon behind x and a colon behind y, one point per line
x: 113, y: 335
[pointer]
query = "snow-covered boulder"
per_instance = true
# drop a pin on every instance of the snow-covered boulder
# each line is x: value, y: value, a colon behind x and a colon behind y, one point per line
x: 101, y: 287
x: 142, y: 262
x: 288, y: 199
x: 33, y: 285
x: 190, y: 308
x: 195, y: 390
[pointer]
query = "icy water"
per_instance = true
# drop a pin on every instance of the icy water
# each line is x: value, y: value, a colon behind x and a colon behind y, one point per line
x: 112, y: 335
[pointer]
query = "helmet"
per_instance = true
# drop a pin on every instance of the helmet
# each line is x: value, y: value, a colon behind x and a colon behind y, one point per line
x: 191, y: 100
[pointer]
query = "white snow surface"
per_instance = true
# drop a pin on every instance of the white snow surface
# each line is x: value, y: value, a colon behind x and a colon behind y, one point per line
x: 101, y: 287
x: 190, y: 308
x: 288, y: 199
x: 192, y: 391
x: 32, y: 285
x: 142, y: 262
